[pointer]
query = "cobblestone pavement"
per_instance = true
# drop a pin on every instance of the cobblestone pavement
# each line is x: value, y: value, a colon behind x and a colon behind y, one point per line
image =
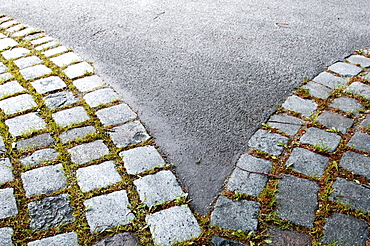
x: 78, y: 167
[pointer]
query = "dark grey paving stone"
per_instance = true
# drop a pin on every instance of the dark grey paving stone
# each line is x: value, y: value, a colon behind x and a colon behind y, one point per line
x: 299, y: 105
x: 297, y: 200
x: 76, y: 133
x: 6, y: 170
x: 24, y: 124
x: 70, y: 116
x: 307, y: 162
x: 348, y: 192
x: 366, y: 121
x: 127, y: 134
x: 345, y: 69
x: 359, y: 88
x: 285, y: 123
x: 115, y: 115
x: 317, y: 90
x: 288, y: 237
x: 268, y: 142
x: 39, y: 157
x: 336, y: 121
x: 348, y: 105
x: 345, y: 230
x: 219, y: 241
x: 50, y: 211
x: 330, y: 80
x: 84, y: 153
x: 321, y: 139
x: 121, y: 239
x: 101, y: 97
x: 35, y: 142
x: 60, y: 99
x: 8, y: 204
x: 236, y: 215
x: 360, y: 60
x: 356, y: 163
x: 360, y: 141
x: 48, y: 84
x: 173, y: 225
x: 249, y: 183
x: 65, y: 239
x: 6, y: 234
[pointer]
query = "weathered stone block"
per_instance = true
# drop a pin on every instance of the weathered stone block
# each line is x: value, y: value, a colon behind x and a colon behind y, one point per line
x: 55, y: 51
x: 321, y: 139
x: 6, y: 236
x: 356, y: 163
x: 17, y: 104
x: 34, y: 72
x: 347, y: 105
x: 121, y: 239
x: 317, y: 90
x: 77, y: 70
x: 24, y: 124
x: 345, y: 69
x: 7, y: 43
x: 65, y: 59
x: 60, y: 99
x: 330, y: 80
x: 101, y: 97
x: 84, y: 153
x: 70, y: 116
x: 46, y: 45
x: 8, y: 204
x: 360, y: 60
x: 6, y: 170
x: 360, y: 141
x: 76, y: 133
x: 39, y: 157
x: 268, y: 142
x: 88, y: 83
x: 65, y: 239
x: 359, y: 88
x: 10, y: 88
x: 127, y: 134
x: 48, y: 84
x: 299, y: 105
x: 35, y: 142
x: 285, y: 123
x: 27, y: 61
x: 115, y: 115
x: 337, y: 121
x: 15, y: 53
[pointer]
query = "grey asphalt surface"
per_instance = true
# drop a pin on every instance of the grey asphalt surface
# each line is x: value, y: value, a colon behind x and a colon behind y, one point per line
x: 203, y: 75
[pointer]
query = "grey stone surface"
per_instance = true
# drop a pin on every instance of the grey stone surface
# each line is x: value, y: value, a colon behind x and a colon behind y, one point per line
x: 77, y: 70
x: 236, y: 215
x: 55, y: 51
x: 307, y: 162
x: 337, y: 121
x: 330, y: 80
x: 97, y: 176
x: 39, y: 157
x: 347, y: 105
x: 158, y: 188
x: 5, y: 76
x: 101, y: 97
x: 299, y: 105
x: 297, y: 200
x: 14, y: 28
x: 366, y: 121
x: 17, y: 104
x: 84, y: 153
x: 15, y: 53
x: 65, y: 239
x: 46, y: 45
x: 141, y: 159
x: 34, y: 36
x: 6, y: 170
x: 6, y: 236
x: 317, y: 90
x: 24, y: 32
x: 24, y: 124
x: 34, y: 72
x: 3, y: 68
x: 60, y: 99
x: 50, y: 211
x: 357, y: 163
x: 109, y: 210
x: 8, y: 204
x: 121, y: 239
x: 44, y: 180
x: 48, y: 84
x: 65, y: 59
x: 88, y: 83
x: 35, y: 142
x: 360, y: 60
x: 9, y: 24
x: 2, y: 146
x: 360, y: 141
x: 127, y: 134
x: 359, y: 88
x: 115, y: 115
x: 285, y: 123
x: 366, y: 77
x: 343, y: 229
x: 76, y: 133
x: 321, y: 139
x: 173, y: 225
x: 41, y: 40
x: 345, y: 69
x: 27, y: 61
x: 70, y: 116
x: 268, y: 142
x: 348, y: 192
x: 218, y: 241
x: 7, y: 43
x: 281, y: 237
x: 249, y: 183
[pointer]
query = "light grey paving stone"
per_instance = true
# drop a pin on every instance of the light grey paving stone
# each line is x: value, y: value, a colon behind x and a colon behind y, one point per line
x: 27, y: 61
x: 249, y: 183
x: 173, y: 225
x: 8, y: 204
x: 285, y: 123
x: 6, y: 170
x: 14, y: 28
x: 299, y: 105
x: 6, y: 234
x: 70, y: 116
x: 158, y: 188
x: 17, y: 104
x: 41, y: 40
x: 88, y: 83
x: 357, y: 163
x: 39, y: 157
x: 219, y: 241
x: 9, y: 24
x: 317, y: 90
x: 34, y: 36
x: 101, y: 97
x: 347, y: 105
x: 10, y: 88
x: 127, y: 134
x: 34, y: 72
x: 366, y: 121
x: 2, y: 35
x: 44, y: 180
x: 84, y: 153
x: 342, y: 229
x: 76, y: 133
x: 55, y: 51
x: 5, y: 77
x: 60, y: 99
x: 46, y: 45
x: 25, y: 124
x: 7, y: 43
x: 65, y: 59
x: 236, y: 215
x: 5, y: 18
x: 360, y: 60
x: 2, y: 145
x: 141, y: 159
x: 109, y: 210
x: 65, y: 239
x: 321, y: 139
x: 336, y: 121
x: 15, y: 53
x: 366, y: 77
x: 120, y: 239
x: 50, y: 211
x: 24, y: 32
x: 330, y: 80
x: 307, y: 162
x: 97, y: 176
x: 35, y: 142
x: 77, y: 70
x: 3, y: 68
x: 359, y: 88
x: 115, y: 115
x: 345, y: 69
x: 268, y: 142
x: 348, y: 192
x: 297, y: 200
x: 48, y: 84
x: 360, y: 141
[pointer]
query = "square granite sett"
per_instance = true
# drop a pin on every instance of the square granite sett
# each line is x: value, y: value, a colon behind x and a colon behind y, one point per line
x: 34, y: 72
x: 8, y: 204
x: 6, y: 234
x: 321, y: 139
x: 10, y: 88
x: 363, y: 61
x: 88, y: 83
x: 17, y: 104
x: 78, y: 70
x: 303, y: 106
x: 3, y: 68
x: 127, y: 134
x: 24, y: 32
x: 65, y: 239
x: 317, y: 90
x: 46, y: 45
x: 39, y: 157
x: 347, y: 105
x: 360, y: 141
x: 2, y: 146
x: 345, y: 69
x: 60, y: 99
x: 101, y: 97
x: 357, y: 163
x: 9, y: 24
x: 86, y: 152
x: 70, y: 116
x: 115, y: 115
x: 366, y: 121
x: 359, y: 88
x: 55, y: 51
x: 65, y: 59
x: 5, y: 77
x: 48, y: 84
x: 333, y: 120
x: 7, y: 43
x: 268, y: 142
x: 34, y: 36
x: 330, y: 80
x: 285, y: 123
x: 76, y: 133
x: 41, y: 40
x: 14, y: 28
x: 15, y: 53
x: 35, y: 142
x: 6, y: 170
x: 27, y: 61
x: 24, y: 124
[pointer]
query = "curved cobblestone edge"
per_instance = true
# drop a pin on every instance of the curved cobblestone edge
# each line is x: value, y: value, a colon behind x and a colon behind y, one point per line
x: 78, y: 168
